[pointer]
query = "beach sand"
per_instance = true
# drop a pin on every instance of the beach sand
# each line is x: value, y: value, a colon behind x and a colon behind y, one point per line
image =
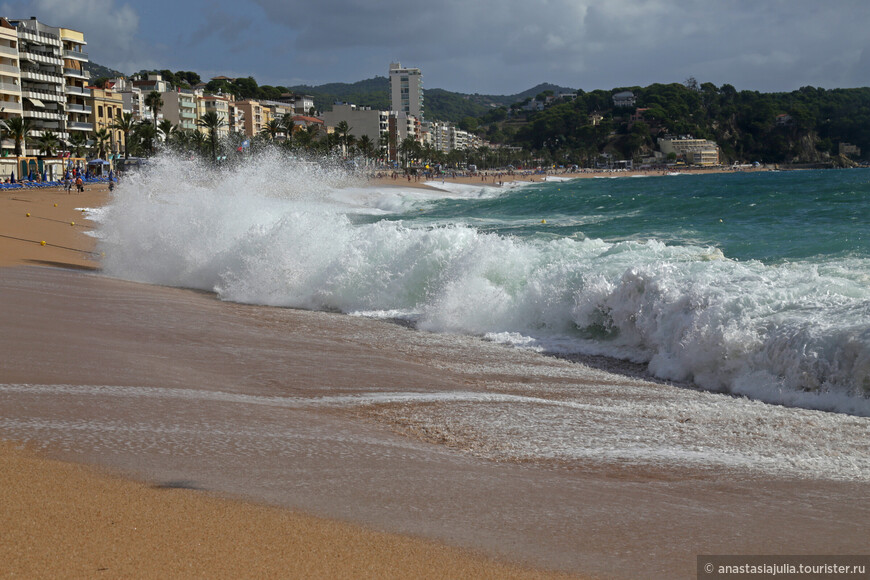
x: 183, y: 402
x: 65, y: 520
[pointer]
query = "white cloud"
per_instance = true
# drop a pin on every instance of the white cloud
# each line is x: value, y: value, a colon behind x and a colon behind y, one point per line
x: 110, y: 29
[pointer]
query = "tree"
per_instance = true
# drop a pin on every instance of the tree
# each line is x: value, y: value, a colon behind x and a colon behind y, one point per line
x: 78, y: 143
x: 146, y: 133
x: 366, y: 147
x: 289, y: 125
x: 344, y: 137
x: 211, y: 122
x: 17, y: 129
x: 154, y: 102
x: 409, y: 150
x: 102, y: 138
x: 48, y: 142
x: 271, y: 129
x: 166, y: 129
x: 125, y: 124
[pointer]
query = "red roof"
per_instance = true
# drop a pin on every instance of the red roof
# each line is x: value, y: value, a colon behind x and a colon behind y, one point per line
x: 307, y: 119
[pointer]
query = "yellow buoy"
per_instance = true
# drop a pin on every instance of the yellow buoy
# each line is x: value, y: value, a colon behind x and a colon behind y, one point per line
x: 42, y: 243
x: 543, y: 221
x: 27, y: 214
x: 72, y: 223
x: 55, y: 205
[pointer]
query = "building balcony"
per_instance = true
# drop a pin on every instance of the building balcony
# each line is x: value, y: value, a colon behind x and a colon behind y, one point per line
x: 72, y: 39
x: 10, y: 88
x: 78, y: 55
x: 9, y: 106
x: 187, y: 115
x: 74, y: 90
x: 41, y: 95
x: 44, y: 115
x: 76, y: 126
x: 42, y: 57
x: 76, y: 108
x: 43, y: 76
x: 8, y: 51
x: 40, y: 37
x: 76, y: 73
x: 8, y: 68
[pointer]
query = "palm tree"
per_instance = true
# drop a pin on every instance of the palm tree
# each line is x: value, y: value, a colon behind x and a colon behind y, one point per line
x: 78, y: 143
x: 211, y: 122
x: 271, y: 129
x: 48, y: 142
x: 288, y: 125
x: 166, y: 129
x: 17, y: 129
x: 146, y: 133
x: 125, y: 124
x: 409, y: 149
x: 344, y: 139
x: 154, y: 102
x: 102, y: 140
x: 366, y: 147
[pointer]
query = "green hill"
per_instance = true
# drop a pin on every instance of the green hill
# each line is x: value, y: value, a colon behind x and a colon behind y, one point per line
x: 99, y: 71
x: 440, y: 104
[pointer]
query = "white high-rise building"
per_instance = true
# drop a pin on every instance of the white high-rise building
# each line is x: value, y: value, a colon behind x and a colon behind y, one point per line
x: 406, y: 90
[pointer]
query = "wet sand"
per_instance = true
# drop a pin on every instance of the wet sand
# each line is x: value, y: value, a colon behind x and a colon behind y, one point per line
x: 314, y: 412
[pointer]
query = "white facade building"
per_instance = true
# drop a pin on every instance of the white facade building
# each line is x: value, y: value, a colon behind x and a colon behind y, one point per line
x: 406, y: 90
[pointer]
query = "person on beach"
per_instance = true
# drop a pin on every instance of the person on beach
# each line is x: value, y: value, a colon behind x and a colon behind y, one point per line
x: 80, y: 186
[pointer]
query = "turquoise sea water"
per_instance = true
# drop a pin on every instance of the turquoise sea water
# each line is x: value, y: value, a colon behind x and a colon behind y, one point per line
x: 756, y: 284
x: 768, y: 216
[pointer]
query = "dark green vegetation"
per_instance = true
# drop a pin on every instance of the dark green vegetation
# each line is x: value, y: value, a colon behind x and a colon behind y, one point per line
x: 803, y: 126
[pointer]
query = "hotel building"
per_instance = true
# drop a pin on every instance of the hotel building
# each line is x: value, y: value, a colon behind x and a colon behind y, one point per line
x: 42, y: 80
x: 106, y: 106
x: 361, y: 120
x: 75, y: 81
x: 10, y: 78
x: 406, y: 90
x: 179, y: 107
x: 696, y: 151
x: 219, y: 105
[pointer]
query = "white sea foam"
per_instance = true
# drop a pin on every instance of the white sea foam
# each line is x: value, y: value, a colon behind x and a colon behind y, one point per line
x: 278, y: 233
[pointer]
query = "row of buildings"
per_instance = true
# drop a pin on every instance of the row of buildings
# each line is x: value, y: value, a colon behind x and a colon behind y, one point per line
x: 43, y: 79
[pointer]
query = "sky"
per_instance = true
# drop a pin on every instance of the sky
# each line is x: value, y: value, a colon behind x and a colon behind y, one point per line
x: 499, y: 47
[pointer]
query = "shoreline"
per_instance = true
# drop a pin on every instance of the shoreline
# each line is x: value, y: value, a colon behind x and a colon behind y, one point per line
x: 119, y: 346
x: 492, y: 178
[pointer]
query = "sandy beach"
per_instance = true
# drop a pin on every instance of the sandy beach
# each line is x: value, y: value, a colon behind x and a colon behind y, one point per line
x: 66, y: 520
x: 154, y: 431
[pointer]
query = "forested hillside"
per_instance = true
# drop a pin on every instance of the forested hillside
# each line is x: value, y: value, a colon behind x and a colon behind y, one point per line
x: 803, y: 126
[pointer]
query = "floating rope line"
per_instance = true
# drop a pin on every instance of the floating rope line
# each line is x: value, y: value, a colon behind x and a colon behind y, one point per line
x: 44, y: 243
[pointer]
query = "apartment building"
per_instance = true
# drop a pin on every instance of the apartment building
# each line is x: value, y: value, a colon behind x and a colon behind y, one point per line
x: 10, y: 78
x: 301, y: 104
x: 134, y: 100
x: 276, y: 110
x: 237, y: 119
x: 406, y: 90
x: 361, y: 120
x: 179, y: 107
x: 218, y: 105
x: 106, y: 106
x: 695, y: 151
x: 76, y: 81
x: 42, y: 80
x: 253, y: 117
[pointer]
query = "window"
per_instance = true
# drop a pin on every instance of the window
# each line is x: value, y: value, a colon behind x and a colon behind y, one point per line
x: 100, y: 111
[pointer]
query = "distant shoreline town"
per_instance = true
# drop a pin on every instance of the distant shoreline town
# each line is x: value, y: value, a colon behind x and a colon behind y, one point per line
x: 53, y: 116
